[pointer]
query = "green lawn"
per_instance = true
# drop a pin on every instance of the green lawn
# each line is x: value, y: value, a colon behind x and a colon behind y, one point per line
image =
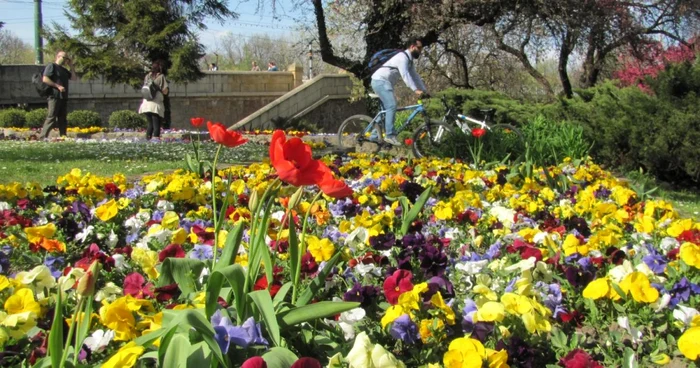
x: 43, y: 162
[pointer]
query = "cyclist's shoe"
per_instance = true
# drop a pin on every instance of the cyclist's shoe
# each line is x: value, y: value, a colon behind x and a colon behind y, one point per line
x: 374, y: 140
x: 392, y: 141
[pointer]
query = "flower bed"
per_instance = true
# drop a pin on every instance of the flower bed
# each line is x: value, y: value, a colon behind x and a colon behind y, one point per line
x: 427, y: 263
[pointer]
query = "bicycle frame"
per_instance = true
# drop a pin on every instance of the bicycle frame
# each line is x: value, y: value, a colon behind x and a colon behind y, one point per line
x: 417, y: 109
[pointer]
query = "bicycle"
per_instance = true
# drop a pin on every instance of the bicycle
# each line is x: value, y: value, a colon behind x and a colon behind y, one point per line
x: 500, y: 142
x: 357, y: 129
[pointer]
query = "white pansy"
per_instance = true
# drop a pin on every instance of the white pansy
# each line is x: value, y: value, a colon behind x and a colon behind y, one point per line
x: 503, y: 214
x: 357, y: 239
x: 452, y: 233
x: 120, y: 261
x: 618, y: 273
x: 633, y: 331
x: 685, y: 314
x: 353, y: 315
x: 473, y: 267
x: 368, y: 269
x: 524, y: 265
x: 109, y: 293
x: 668, y: 243
x: 38, y: 279
x: 84, y: 234
x: 278, y: 215
x: 164, y: 205
x: 112, y: 239
x: 99, y: 340
x: 4, y: 206
x: 661, y: 303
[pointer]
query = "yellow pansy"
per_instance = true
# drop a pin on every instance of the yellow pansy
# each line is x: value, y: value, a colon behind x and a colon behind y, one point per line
x: 170, y: 221
x: 392, y: 313
x: 36, y: 233
x: 490, y: 312
x: 690, y: 254
x: 126, y: 356
x: 320, y: 249
x: 147, y: 259
x: 428, y: 327
x: 600, y: 288
x: 18, y: 324
x: 179, y: 236
x: 573, y: 245
x: 689, y: 343
x: 678, y: 227
x: 516, y: 304
x: 497, y: 359
x: 107, y: 211
x: 464, y: 352
x: 443, y: 211
x: 118, y: 316
x: 438, y: 302
x: 639, y: 286
x: 4, y: 283
x: 22, y: 301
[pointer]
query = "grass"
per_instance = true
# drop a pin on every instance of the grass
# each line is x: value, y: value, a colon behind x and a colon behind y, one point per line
x: 44, y: 162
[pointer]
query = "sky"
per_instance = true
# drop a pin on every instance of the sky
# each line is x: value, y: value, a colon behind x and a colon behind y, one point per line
x: 18, y: 16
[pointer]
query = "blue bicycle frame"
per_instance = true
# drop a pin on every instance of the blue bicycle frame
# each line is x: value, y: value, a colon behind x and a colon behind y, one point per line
x: 418, y: 108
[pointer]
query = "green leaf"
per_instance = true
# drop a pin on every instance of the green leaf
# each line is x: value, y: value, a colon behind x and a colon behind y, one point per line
x: 619, y: 291
x: 193, y: 164
x: 182, y: 271
x: 199, y: 356
x: 263, y: 302
x: 619, y: 307
x: 196, y: 320
x: 235, y: 277
x: 415, y: 210
x: 282, y: 293
x: 177, y: 353
x: 233, y: 243
x: 84, y: 326
x: 319, y: 282
x: 56, y: 333
x: 279, y: 357
x: 559, y: 339
x: 165, y: 343
x: 629, y: 360
x: 314, y: 311
x: 295, y: 254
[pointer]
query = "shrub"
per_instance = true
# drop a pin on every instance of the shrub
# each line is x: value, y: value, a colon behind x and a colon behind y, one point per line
x: 471, y: 102
x: 550, y: 142
x: 12, y: 118
x: 35, y: 118
x: 127, y: 119
x: 84, y: 119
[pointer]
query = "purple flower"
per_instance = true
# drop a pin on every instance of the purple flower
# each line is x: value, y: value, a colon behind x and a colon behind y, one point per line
x: 681, y: 291
x: 655, y: 261
x: 5, y: 259
x: 55, y: 264
x: 364, y: 295
x: 226, y: 332
x: 202, y: 252
x: 382, y: 241
x: 468, y: 315
x: 405, y: 330
x: 432, y: 260
x: 254, y: 331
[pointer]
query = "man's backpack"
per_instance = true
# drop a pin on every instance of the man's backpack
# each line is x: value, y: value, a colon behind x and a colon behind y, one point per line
x: 381, y: 57
x: 149, y: 89
x: 43, y: 89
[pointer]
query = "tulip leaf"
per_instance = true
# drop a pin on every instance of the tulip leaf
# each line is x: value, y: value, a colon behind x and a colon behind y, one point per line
x: 83, y: 326
x: 235, y: 277
x: 177, y: 352
x: 319, y: 282
x: 165, y: 343
x: 233, y: 243
x: 294, y: 254
x: 56, y: 333
x: 263, y: 302
x: 314, y: 311
x: 415, y: 210
x: 279, y: 357
x: 182, y: 271
x: 196, y: 320
x: 282, y: 293
x: 200, y: 355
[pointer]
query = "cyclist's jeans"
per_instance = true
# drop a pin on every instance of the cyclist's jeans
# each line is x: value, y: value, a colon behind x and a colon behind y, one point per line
x: 386, y: 93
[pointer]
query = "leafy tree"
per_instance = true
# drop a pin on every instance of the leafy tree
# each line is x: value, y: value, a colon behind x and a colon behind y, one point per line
x: 119, y: 39
x: 13, y: 50
x: 638, y: 65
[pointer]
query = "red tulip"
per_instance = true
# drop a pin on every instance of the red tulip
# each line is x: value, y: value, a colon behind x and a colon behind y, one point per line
x: 293, y: 162
x: 408, y: 141
x: 197, y: 122
x: 221, y: 135
x: 333, y: 187
x: 254, y: 362
x: 478, y: 132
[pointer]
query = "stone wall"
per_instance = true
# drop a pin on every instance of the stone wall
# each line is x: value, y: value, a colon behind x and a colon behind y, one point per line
x: 226, y: 97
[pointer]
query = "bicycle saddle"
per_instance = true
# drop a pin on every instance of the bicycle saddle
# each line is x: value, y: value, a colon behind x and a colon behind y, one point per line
x: 487, y: 111
x: 373, y: 95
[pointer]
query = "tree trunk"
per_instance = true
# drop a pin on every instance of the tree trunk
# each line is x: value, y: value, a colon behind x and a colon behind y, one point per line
x: 567, y: 44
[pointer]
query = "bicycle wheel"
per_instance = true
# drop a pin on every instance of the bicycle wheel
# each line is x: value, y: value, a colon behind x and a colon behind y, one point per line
x: 502, y: 143
x: 352, y: 133
x: 428, y: 139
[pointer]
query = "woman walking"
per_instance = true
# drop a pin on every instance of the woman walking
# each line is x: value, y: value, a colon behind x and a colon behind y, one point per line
x: 153, y: 108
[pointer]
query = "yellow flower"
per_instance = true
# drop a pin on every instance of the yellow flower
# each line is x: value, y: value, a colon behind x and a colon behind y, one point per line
x: 36, y: 233
x: 428, y: 326
x: 516, y: 304
x: 497, y: 359
x: 320, y: 249
x: 490, y: 312
x: 638, y: 284
x: 573, y: 245
x: 119, y: 317
x: 147, y: 259
x: 170, y: 220
x: 126, y: 356
x: 690, y: 254
x: 4, y: 283
x: 599, y: 288
x: 392, y: 313
x: 443, y: 211
x: 22, y: 301
x: 689, y: 343
x: 179, y: 236
x: 107, y: 211
x: 678, y: 227
x: 18, y: 324
x: 464, y: 352
x: 438, y: 302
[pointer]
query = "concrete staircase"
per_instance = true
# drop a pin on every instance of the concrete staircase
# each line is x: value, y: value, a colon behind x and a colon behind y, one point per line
x: 299, y: 101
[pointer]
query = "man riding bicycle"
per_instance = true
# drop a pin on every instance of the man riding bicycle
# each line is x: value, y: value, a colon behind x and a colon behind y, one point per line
x: 384, y: 79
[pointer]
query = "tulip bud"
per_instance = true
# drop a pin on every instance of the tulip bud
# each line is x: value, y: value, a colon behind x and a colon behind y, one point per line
x: 253, y: 201
x: 86, y: 284
x: 296, y: 198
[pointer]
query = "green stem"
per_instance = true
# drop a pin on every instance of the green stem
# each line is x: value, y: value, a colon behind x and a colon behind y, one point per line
x: 302, y: 247
x: 252, y: 243
x: 73, y: 322
x: 213, y: 205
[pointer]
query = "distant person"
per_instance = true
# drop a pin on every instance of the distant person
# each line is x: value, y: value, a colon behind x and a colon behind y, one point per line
x: 272, y: 67
x: 255, y: 67
x: 213, y: 67
x: 57, y: 77
x: 385, y: 78
x: 154, y: 109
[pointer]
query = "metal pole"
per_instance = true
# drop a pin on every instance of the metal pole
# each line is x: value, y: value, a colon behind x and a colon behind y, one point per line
x: 311, y: 65
x: 38, y: 42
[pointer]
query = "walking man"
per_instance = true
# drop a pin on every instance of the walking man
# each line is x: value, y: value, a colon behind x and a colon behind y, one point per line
x: 385, y: 78
x: 57, y: 77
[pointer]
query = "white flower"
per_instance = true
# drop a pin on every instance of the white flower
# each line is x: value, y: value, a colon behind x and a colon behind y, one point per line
x: 353, y: 315
x: 120, y: 261
x: 504, y: 215
x: 661, y: 303
x: 108, y: 293
x: 112, y: 239
x: 618, y: 273
x: 685, y: 314
x: 524, y: 265
x: 99, y: 340
x: 366, y: 269
x: 472, y: 268
x: 357, y: 239
x: 4, y: 206
x: 38, y: 279
x: 633, y: 331
x: 83, y: 235
x: 278, y: 215
x: 668, y: 243
x: 164, y: 205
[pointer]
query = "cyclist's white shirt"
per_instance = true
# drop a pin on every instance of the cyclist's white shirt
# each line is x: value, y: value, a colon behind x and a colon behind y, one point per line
x: 401, y: 65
